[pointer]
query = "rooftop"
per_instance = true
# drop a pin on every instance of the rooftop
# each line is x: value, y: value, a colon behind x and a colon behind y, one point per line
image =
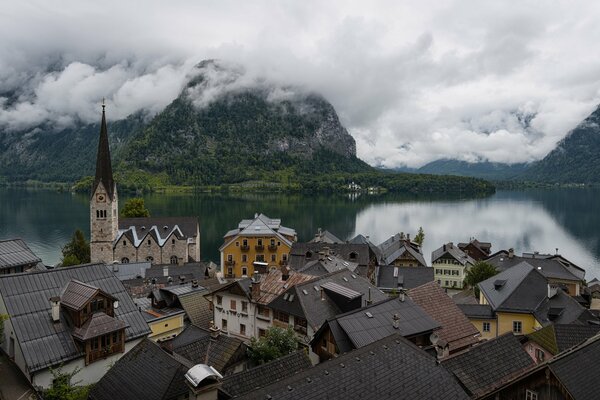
x: 557, y: 338
x: 454, y: 252
x: 390, y: 277
x: 15, y: 252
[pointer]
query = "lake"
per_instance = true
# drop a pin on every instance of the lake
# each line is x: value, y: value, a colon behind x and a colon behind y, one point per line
x: 531, y: 220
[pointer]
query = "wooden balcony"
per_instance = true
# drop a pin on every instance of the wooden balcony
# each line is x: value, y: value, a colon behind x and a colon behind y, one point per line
x: 244, y: 248
x: 259, y: 247
x: 95, y: 355
x: 280, y: 324
x: 272, y: 247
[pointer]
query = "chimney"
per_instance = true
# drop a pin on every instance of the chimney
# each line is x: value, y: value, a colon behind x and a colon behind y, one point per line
x: 369, y: 300
x: 401, y: 235
x: 181, y: 279
x: 408, y: 237
x: 165, y: 271
x: 396, y: 321
x: 511, y: 253
x: 255, y: 290
x: 214, y: 330
x: 55, y: 302
x: 285, y: 273
x: 322, y: 294
x: 401, y: 295
x: 195, y: 283
x: 450, y: 245
x: 326, y: 250
x: 255, y: 215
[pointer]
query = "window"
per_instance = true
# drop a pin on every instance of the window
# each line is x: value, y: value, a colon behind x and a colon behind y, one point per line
x: 124, y: 260
x: 229, y: 257
x: 540, y: 355
x: 244, y: 258
x: 244, y: 271
x: 237, y: 244
x: 149, y: 242
x: 224, y: 325
x: 219, y: 300
x: 172, y: 241
x: 259, y: 242
x: 284, y: 257
x: 281, y: 316
x: 173, y: 259
x: 486, y: 327
x: 272, y: 242
x: 245, y: 242
x: 531, y: 395
x: 517, y: 327
x: 260, y: 257
x: 263, y: 311
x: 150, y: 258
x: 244, y: 306
x: 243, y: 329
x: 124, y: 242
x: 232, y: 305
x: 261, y: 332
x: 273, y: 257
x: 353, y: 255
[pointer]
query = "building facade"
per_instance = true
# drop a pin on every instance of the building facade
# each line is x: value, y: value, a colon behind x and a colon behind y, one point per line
x: 450, y: 266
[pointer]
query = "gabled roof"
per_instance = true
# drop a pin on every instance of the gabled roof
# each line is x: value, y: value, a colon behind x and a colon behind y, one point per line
x: 104, y: 173
x: 396, y: 246
x: 454, y: 252
x: 391, y: 277
x: 557, y: 338
x: 562, y: 309
x: 306, y: 300
x: 360, y: 239
x: 137, y: 230
x: 263, y: 375
x: 43, y: 342
x: 145, y: 372
x: 77, y: 294
x: 366, y: 325
x: 15, y: 252
x: 261, y: 225
x: 298, y: 253
x: 486, y: 366
x: 326, y: 264
x: 196, y: 345
x: 477, y: 311
x: 456, y: 329
x: 392, y: 368
x: 197, y: 308
x: 549, y: 266
x: 325, y: 237
x: 99, y: 324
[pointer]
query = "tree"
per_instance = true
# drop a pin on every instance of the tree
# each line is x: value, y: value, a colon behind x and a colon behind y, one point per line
x: 134, y: 208
x: 276, y: 343
x: 63, y: 389
x: 477, y: 273
x: 3, y: 317
x: 420, y: 236
x: 77, y: 251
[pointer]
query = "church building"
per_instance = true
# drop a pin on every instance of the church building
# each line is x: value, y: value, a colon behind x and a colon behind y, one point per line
x: 160, y: 240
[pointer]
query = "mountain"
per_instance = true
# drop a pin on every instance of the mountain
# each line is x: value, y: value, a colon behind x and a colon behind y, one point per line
x: 576, y: 158
x: 483, y: 169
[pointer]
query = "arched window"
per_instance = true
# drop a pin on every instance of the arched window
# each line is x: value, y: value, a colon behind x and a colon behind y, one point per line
x: 124, y: 260
x: 173, y: 259
x: 149, y: 258
x: 353, y: 256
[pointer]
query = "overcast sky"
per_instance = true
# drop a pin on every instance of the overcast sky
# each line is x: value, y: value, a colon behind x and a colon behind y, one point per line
x: 411, y: 81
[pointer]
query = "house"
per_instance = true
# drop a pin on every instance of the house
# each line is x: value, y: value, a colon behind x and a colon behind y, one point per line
x: 16, y: 256
x: 523, y: 301
x: 482, y: 317
x: 358, y: 328
x: 450, y: 266
x: 488, y: 365
x: 304, y: 253
x: 457, y: 333
x: 307, y: 305
x: 147, y: 372
x: 163, y: 240
x: 79, y: 317
x: 400, y: 251
x: 164, y: 322
x: 475, y: 249
x: 256, y: 245
x: 241, y: 308
x: 572, y: 375
x: 556, y: 269
x: 391, y: 368
x: 325, y: 237
x: 391, y: 279
x: 554, y: 339
x: 326, y: 263
x: 374, y: 250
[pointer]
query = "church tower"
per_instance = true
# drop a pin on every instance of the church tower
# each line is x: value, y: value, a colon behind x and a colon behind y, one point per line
x: 104, y: 210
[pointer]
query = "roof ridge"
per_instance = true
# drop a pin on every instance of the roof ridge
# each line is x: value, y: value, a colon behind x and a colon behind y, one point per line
x: 5, y: 276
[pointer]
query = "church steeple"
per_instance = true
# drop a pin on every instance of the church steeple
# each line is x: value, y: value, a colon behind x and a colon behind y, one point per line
x: 103, y: 165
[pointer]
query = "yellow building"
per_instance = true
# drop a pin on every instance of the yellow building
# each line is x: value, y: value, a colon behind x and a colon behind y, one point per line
x: 258, y: 244
x: 165, y: 323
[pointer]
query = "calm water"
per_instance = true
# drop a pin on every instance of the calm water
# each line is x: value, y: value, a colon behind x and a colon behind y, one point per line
x: 535, y: 220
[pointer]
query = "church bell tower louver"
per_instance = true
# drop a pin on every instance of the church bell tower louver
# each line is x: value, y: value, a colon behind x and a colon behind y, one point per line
x: 104, y: 206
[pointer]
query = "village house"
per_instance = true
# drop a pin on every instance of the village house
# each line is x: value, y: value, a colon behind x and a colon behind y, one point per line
x: 256, y: 245
x: 450, y: 266
x: 400, y: 251
x: 162, y: 240
x: 554, y: 339
x: 76, y: 317
x: 325, y: 237
x: 522, y: 301
x: 16, y: 256
x: 482, y: 317
x: 392, y: 279
x: 475, y: 249
x: 361, y: 327
x: 327, y: 262
x: 302, y: 254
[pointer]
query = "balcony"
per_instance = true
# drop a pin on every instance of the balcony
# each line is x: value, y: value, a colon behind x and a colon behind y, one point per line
x: 95, y: 355
x: 300, y: 329
x: 259, y: 247
x: 230, y: 263
x: 272, y: 247
x: 280, y: 324
x: 244, y: 247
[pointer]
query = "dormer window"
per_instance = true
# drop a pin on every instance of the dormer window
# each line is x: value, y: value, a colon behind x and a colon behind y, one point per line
x: 353, y: 255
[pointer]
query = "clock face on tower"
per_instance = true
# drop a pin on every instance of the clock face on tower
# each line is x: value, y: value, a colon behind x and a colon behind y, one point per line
x: 101, y: 198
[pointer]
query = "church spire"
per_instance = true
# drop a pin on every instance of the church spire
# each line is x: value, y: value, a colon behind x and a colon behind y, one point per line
x: 103, y: 165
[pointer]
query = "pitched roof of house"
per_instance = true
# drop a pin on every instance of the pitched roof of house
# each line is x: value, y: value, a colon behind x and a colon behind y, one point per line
x: 99, y: 324
x: 391, y: 368
x: 325, y: 237
x: 196, y: 345
x: 549, y: 266
x: 326, y: 264
x: 390, y: 277
x: 303, y: 300
x: 15, y: 252
x: 360, y: 239
x: 482, y: 311
x: 396, y: 246
x: 197, y: 308
x: 104, y: 173
x: 145, y: 372
x: 453, y: 251
x: 557, y: 338
x: 158, y: 228
x: 43, y: 342
x: 488, y: 365
x: 358, y: 328
x: 261, y: 225
x: 77, y: 294
x: 298, y: 253
x: 456, y: 329
x: 266, y: 374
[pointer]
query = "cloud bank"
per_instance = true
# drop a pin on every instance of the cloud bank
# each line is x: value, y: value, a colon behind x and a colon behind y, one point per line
x: 412, y: 82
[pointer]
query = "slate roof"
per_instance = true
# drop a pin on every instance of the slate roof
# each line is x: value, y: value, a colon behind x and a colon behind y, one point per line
x: 159, y: 228
x: 43, y: 342
x: 263, y: 375
x: 306, y: 301
x: 326, y: 237
x: 99, y: 324
x: 557, y: 338
x: 360, y: 239
x: 550, y: 267
x: 15, y: 252
x: 390, y: 277
x: 104, y: 173
x: 456, y: 329
x: 454, y: 252
x: 562, y: 309
x: 77, y: 294
x: 261, y: 225
x: 392, y: 368
x: 366, y: 325
x: 145, y: 372
x: 326, y: 264
x: 487, y: 366
x: 131, y: 270
x: 481, y: 311
x: 196, y: 345
x: 197, y: 308
x: 396, y: 246
x: 298, y: 259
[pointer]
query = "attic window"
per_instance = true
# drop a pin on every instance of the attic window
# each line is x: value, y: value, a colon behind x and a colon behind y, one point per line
x: 308, y: 254
x: 304, y: 291
x: 345, y: 279
x: 285, y: 296
x: 353, y: 255
x: 291, y: 298
x: 353, y: 276
x: 316, y: 288
x: 369, y: 315
x: 499, y: 284
x: 165, y: 227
